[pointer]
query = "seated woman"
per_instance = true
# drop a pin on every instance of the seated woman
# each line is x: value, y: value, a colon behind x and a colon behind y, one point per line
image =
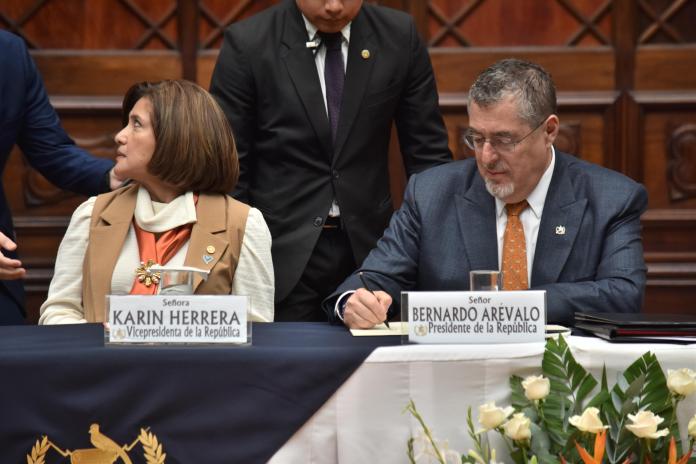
x: 178, y: 149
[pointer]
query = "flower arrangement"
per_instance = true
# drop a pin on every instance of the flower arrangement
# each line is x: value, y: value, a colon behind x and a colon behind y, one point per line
x: 567, y: 416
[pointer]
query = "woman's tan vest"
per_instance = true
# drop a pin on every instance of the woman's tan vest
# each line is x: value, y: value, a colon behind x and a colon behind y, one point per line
x: 217, y: 234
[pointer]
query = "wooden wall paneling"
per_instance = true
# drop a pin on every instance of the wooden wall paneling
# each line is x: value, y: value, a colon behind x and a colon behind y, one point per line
x: 38, y: 240
x: 80, y: 73
x: 216, y: 15
x: 188, y: 37
x: 671, y: 258
x: 669, y: 142
x: 664, y: 92
x: 92, y: 25
x: 453, y: 106
x: 589, y: 69
x: 584, y: 118
x: 625, y: 152
x: 493, y: 23
x: 204, y: 67
x: 418, y: 9
x: 668, y: 138
x: 666, y: 67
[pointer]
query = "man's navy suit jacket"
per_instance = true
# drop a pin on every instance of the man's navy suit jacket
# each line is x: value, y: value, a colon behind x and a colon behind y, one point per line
x: 447, y: 227
x: 267, y: 83
x: 28, y: 120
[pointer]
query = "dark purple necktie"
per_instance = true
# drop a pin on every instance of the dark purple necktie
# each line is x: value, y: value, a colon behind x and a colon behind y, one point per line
x: 334, y: 76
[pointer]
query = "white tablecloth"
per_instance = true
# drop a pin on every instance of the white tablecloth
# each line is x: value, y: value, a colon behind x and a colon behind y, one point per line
x: 364, y: 420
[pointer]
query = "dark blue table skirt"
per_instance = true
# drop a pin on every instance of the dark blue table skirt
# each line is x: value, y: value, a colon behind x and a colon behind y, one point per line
x: 204, y: 404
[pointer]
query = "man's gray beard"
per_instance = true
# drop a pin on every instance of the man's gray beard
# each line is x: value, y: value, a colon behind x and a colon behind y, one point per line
x: 500, y: 191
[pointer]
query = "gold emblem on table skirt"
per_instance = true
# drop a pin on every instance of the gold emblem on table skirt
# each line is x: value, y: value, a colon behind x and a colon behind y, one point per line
x: 145, y: 275
x: 105, y: 450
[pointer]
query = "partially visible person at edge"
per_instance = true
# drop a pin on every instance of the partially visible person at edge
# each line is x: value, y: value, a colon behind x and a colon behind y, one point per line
x: 548, y: 220
x: 312, y: 100
x: 28, y: 120
x: 178, y: 149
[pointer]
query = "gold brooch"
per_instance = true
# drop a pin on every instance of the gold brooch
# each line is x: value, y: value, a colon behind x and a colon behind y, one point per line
x: 145, y: 275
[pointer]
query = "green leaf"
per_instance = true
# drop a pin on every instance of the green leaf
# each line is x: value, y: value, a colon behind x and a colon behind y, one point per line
x: 540, y: 445
x: 571, y: 384
x: 517, y: 398
x: 642, y: 387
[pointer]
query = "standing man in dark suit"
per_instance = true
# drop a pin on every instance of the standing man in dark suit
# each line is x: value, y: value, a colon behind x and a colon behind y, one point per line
x: 28, y: 120
x: 548, y: 220
x: 311, y: 89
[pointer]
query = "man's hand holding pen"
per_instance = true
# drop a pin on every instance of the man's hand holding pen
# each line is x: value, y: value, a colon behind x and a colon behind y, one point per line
x: 365, y: 309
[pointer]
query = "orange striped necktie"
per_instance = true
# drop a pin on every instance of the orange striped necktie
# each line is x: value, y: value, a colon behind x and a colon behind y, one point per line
x: 515, y: 249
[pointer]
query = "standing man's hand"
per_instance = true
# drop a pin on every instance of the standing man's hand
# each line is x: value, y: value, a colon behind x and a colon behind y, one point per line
x: 10, y: 269
x: 365, y: 309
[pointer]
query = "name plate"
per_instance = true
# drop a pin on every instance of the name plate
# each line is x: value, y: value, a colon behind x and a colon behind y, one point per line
x: 475, y: 317
x: 160, y: 319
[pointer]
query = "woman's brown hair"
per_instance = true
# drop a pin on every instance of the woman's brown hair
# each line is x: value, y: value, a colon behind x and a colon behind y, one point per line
x: 194, y: 146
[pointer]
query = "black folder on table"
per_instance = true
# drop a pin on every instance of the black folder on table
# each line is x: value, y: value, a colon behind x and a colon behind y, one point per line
x: 639, y: 328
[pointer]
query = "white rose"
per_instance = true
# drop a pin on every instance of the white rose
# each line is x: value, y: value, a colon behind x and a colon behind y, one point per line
x: 536, y: 387
x: 682, y: 381
x: 491, y: 416
x: 518, y: 428
x: 645, y: 425
x: 692, y: 427
x: 589, y: 421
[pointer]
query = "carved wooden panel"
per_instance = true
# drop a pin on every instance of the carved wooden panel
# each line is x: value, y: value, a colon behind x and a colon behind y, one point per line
x: 666, y: 21
x: 579, y: 69
x: 669, y: 143
x: 681, y: 167
x: 102, y: 24
x: 668, y: 238
x: 481, y: 23
x: 666, y: 67
x: 216, y: 15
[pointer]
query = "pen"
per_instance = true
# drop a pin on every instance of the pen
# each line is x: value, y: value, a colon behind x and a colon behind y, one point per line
x: 367, y: 287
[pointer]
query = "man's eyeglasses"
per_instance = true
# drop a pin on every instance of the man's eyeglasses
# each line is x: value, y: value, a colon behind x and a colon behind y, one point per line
x: 499, y: 144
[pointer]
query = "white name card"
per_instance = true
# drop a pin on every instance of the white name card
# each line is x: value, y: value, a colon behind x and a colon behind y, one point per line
x: 177, y: 319
x: 475, y: 317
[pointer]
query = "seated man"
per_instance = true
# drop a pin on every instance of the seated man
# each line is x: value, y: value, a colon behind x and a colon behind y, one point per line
x: 548, y: 220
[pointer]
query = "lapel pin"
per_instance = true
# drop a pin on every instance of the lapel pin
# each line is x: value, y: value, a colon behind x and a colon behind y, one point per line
x: 560, y: 230
x: 210, y: 249
x: 312, y: 44
x: 365, y: 54
x: 207, y: 259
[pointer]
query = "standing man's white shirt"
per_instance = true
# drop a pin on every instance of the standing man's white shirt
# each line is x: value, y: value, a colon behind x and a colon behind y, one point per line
x: 319, y: 57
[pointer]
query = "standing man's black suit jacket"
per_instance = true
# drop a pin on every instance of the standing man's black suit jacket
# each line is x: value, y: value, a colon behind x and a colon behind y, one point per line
x: 267, y: 83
